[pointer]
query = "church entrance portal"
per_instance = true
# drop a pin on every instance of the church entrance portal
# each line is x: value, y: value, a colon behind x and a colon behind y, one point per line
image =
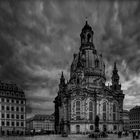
x: 77, y: 129
x: 104, y: 128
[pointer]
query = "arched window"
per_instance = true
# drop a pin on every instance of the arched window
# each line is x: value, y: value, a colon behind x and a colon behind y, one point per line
x: 104, y: 111
x: 114, y: 112
x: 115, y: 127
x: 104, y: 106
x: 90, y: 110
x: 77, y: 110
x: 77, y: 129
x: 88, y: 38
x: 114, y: 107
x: 83, y: 38
x: 96, y: 63
x: 91, y: 127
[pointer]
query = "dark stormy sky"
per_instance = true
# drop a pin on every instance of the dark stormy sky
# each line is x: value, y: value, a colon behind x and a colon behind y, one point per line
x: 38, y: 39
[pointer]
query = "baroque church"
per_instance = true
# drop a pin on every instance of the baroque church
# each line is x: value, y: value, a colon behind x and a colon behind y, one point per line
x: 85, y: 95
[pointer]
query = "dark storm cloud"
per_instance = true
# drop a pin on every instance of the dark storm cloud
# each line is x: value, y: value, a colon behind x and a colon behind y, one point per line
x: 38, y: 39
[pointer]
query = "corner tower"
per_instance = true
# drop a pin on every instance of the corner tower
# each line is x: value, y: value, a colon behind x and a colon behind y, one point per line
x: 115, y: 78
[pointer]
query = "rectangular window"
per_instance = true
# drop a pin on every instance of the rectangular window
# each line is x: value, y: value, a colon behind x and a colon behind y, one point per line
x: 2, y: 107
x: 90, y: 116
x: 13, y: 123
x: 12, y: 116
x: 7, y: 100
x: 17, y: 116
x: 104, y: 116
x: 7, y: 108
x: 17, y: 108
x: 7, y: 123
x: 12, y: 100
x: 3, y: 123
x: 2, y: 99
x: 12, y: 108
x: 22, y: 102
x: 3, y: 115
x: 17, y: 123
x: 22, y: 109
x: 8, y: 116
x: 78, y: 117
x: 22, y: 117
x: 17, y: 101
x: 22, y: 124
x: 114, y: 117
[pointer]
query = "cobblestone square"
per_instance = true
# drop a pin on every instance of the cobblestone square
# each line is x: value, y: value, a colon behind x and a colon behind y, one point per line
x: 70, y: 137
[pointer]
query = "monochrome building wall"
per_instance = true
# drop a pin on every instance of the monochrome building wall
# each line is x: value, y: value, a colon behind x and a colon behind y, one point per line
x: 12, y: 109
x: 134, y: 115
x: 85, y: 95
x: 41, y: 122
x: 126, y: 120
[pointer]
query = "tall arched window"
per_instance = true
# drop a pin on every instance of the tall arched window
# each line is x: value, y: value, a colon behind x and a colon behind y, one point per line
x: 83, y: 38
x: 90, y: 110
x: 88, y: 38
x: 77, y: 110
x: 104, y: 106
x: 96, y: 63
x: 114, y: 112
x: 104, y: 111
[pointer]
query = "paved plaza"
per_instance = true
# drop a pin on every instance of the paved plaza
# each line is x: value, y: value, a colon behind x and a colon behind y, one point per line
x: 70, y: 137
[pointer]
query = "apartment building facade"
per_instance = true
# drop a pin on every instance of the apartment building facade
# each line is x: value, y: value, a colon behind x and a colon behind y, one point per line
x: 12, y: 109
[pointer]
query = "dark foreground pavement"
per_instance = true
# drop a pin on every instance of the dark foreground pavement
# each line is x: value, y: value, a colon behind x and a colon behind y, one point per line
x: 70, y: 137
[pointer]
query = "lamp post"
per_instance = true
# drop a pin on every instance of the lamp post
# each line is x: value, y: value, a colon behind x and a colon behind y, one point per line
x: 95, y: 109
x: 94, y: 103
x: 85, y: 121
x: 96, y: 118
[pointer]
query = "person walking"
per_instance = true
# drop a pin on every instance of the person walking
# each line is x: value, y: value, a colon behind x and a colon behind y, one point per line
x: 133, y: 132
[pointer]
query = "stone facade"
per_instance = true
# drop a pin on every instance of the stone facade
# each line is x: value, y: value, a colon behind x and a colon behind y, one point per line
x: 85, y: 95
x: 134, y: 115
x: 126, y: 120
x: 40, y: 123
x: 12, y: 109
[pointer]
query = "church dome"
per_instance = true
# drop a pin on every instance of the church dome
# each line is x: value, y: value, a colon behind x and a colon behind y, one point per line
x: 88, y: 62
x: 94, y: 64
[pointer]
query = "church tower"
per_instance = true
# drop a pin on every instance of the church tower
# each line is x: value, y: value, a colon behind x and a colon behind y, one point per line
x: 115, y: 78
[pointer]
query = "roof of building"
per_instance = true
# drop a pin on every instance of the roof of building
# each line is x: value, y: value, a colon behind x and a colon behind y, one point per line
x: 135, y: 108
x: 41, y: 117
x: 125, y: 111
x: 11, y: 89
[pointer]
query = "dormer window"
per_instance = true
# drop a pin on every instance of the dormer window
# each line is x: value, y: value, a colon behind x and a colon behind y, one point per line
x: 96, y: 63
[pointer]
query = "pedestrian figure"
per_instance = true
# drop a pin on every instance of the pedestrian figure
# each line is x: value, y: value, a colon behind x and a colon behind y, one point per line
x: 133, y: 135
x: 137, y: 135
x: 120, y: 134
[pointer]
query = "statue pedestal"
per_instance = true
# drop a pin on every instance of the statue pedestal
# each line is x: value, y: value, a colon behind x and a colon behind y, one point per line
x: 96, y: 134
x: 96, y: 129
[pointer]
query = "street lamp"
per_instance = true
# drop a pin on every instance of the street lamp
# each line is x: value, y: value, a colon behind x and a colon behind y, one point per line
x: 96, y: 117
x: 95, y: 103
